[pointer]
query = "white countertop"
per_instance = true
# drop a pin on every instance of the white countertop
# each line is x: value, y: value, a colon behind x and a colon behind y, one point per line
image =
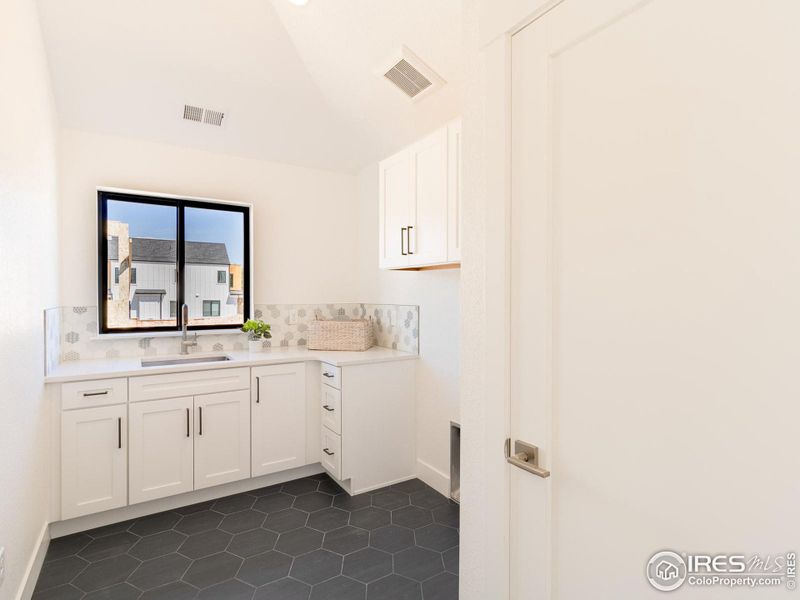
x: 81, y: 370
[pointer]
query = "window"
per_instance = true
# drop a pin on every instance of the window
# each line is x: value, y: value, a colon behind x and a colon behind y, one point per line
x: 230, y: 285
x: 175, y: 250
x: 210, y: 308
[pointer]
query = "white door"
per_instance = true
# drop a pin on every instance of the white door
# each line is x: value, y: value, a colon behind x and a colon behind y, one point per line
x: 279, y: 418
x: 428, y: 219
x: 655, y: 286
x: 394, y: 210
x: 94, y: 466
x: 222, y: 440
x: 161, y: 448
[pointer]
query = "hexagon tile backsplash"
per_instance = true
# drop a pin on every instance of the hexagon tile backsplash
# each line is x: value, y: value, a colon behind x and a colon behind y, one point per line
x: 71, y: 331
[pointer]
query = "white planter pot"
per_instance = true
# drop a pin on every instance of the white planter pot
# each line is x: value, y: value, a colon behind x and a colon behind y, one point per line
x: 255, y: 345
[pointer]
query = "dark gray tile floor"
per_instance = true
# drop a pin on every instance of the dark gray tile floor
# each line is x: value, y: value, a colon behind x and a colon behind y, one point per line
x: 301, y: 540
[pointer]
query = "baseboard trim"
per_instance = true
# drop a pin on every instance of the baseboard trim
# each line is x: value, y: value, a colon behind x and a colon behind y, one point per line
x: 433, y: 477
x: 135, y: 511
x: 34, y: 566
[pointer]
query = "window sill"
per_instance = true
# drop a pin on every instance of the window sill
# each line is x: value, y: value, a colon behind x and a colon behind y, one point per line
x: 164, y: 334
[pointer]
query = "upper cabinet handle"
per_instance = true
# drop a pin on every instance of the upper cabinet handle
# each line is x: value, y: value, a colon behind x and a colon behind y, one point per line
x: 403, y: 231
x: 408, y: 241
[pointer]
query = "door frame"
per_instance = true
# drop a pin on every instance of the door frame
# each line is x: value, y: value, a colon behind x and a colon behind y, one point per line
x: 486, y: 534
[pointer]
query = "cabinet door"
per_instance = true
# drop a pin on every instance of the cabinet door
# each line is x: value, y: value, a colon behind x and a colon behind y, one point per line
x: 222, y: 440
x: 428, y: 236
x: 93, y: 460
x: 454, y: 191
x: 394, y: 210
x: 161, y: 448
x: 279, y: 418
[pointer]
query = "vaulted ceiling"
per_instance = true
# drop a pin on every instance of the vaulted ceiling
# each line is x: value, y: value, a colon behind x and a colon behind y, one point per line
x: 297, y: 84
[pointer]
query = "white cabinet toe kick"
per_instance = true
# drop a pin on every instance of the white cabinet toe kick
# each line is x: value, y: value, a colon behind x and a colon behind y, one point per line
x: 136, y: 445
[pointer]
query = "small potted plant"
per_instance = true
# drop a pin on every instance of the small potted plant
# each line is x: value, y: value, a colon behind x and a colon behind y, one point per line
x: 257, y: 331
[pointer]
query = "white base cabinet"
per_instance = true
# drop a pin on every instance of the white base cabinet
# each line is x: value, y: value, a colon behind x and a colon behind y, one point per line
x: 278, y: 417
x: 94, y: 462
x: 222, y: 443
x: 162, y: 448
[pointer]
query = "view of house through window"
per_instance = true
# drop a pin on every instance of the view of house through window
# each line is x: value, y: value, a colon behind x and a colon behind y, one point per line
x: 146, y: 279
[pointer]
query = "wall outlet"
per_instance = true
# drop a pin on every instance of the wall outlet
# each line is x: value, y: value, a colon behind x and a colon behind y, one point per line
x: 293, y: 316
x: 2, y: 565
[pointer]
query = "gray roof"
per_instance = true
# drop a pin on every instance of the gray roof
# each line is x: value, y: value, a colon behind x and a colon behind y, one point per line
x: 163, y: 251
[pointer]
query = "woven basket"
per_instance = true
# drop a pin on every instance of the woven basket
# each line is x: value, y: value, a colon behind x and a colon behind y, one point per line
x: 341, y: 335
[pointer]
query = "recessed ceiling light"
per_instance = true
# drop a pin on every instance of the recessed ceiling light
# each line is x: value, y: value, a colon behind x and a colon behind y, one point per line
x: 299, y: 2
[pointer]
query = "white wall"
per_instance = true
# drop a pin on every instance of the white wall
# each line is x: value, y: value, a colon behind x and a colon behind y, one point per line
x: 437, y: 294
x: 304, y: 219
x: 28, y: 247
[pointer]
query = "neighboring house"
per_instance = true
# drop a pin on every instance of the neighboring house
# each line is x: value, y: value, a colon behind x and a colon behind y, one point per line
x: 151, y: 284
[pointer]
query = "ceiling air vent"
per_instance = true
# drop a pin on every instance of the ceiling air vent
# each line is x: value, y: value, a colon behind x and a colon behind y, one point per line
x: 203, y: 115
x: 411, y: 75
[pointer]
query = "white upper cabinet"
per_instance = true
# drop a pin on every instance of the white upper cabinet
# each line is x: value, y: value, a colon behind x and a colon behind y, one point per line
x: 420, y: 196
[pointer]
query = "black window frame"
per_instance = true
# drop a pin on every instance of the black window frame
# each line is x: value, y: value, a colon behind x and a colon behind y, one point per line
x: 103, y: 196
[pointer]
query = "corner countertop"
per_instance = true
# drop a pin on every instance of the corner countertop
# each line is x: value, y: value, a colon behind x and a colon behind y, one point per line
x: 82, y: 370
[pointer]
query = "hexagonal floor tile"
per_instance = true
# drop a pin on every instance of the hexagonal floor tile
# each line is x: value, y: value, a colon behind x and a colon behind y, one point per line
x: 198, y: 522
x: 273, y: 503
x: 412, y: 517
x: 284, y: 589
x: 265, y: 568
x: 228, y: 590
x: 329, y: 486
x: 159, y: 571
x: 121, y: 591
x: 428, y: 498
x: 172, y: 591
x: 205, y: 544
x: 370, y: 518
x: 253, y: 542
x: 316, y: 566
x: 313, y: 501
x: 212, y: 570
x: 441, y: 587
x: 390, y: 500
x: 450, y: 558
x: 392, y: 538
x: 418, y: 564
x: 327, y: 519
x: 244, y: 520
x: 106, y: 573
x: 60, y: 572
x: 157, y: 544
x: 300, y: 486
x: 367, y: 565
x: 346, y: 540
x: 299, y: 541
x: 394, y: 587
x: 447, y: 514
x: 437, y: 537
x: 347, y: 502
x: 66, y: 546
x: 286, y: 520
x: 233, y: 504
x: 62, y: 592
x: 155, y: 523
x: 338, y: 588
x: 409, y: 487
x: 108, y: 546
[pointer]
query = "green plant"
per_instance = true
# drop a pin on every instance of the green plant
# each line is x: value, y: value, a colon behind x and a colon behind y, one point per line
x: 256, y: 329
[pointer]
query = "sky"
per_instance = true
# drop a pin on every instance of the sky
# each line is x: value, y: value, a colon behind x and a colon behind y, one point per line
x: 202, y: 225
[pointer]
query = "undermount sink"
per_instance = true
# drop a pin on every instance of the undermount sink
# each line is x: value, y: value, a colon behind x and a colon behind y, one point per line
x: 183, y: 360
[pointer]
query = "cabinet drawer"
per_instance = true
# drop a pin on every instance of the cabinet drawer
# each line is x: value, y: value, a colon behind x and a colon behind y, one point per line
x: 331, y: 376
x: 331, y: 457
x: 331, y: 408
x: 87, y: 394
x: 192, y: 383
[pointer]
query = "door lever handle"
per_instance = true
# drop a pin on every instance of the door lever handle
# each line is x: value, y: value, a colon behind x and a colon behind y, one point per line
x: 526, y: 457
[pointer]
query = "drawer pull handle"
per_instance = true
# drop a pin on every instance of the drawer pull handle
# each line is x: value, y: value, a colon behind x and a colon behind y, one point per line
x: 408, y: 235
x: 328, y: 375
x: 258, y: 390
x: 328, y: 408
x: 328, y: 452
x: 200, y: 408
x: 89, y: 394
x: 403, y: 231
x: 187, y: 423
x: 119, y: 432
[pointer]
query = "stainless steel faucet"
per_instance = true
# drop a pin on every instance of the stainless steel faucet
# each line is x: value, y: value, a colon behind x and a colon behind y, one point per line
x: 186, y: 341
